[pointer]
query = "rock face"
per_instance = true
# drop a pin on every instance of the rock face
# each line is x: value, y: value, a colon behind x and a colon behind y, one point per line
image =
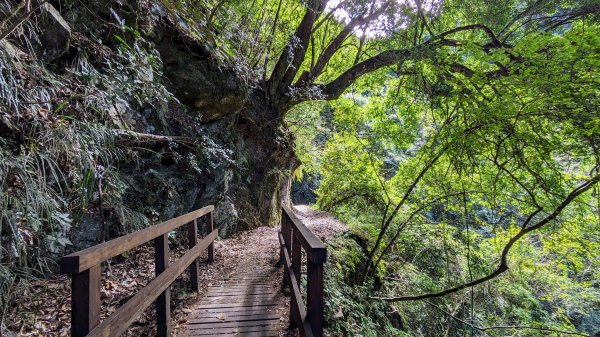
x: 303, y: 192
x: 217, y: 140
x: 198, y: 82
x: 56, y: 35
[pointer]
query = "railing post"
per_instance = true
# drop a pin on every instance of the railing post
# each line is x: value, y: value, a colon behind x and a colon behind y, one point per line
x: 85, y: 301
x: 211, y: 247
x: 296, y: 255
x: 285, y: 233
x: 314, y: 297
x: 192, y: 233
x: 163, y: 302
x: 297, y: 268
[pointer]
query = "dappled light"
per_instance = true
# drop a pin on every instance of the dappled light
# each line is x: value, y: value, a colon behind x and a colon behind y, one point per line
x: 300, y: 168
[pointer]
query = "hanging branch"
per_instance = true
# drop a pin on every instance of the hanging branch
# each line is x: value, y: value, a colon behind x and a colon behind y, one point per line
x: 503, y: 267
x: 497, y: 327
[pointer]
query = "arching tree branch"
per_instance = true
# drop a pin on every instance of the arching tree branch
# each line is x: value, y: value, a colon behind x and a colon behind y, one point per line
x: 503, y: 266
x: 498, y: 327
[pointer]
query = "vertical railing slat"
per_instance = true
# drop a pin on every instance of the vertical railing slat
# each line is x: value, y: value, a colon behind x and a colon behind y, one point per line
x: 85, y: 301
x: 192, y: 234
x: 314, y: 297
x: 163, y: 302
x: 210, y: 228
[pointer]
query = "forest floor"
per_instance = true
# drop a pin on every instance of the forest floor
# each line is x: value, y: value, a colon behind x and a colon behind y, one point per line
x: 42, y: 308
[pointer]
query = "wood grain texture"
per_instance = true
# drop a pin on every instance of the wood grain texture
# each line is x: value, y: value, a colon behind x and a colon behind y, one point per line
x: 85, y: 301
x: 87, y: 258
x: 120, y: 320
x: 246, y: 305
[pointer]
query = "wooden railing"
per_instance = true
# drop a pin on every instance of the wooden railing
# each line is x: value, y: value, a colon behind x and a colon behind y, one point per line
x: 293, y: 237
x: 85, y: 269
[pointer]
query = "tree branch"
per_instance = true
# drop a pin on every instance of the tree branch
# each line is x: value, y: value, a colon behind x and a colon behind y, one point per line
x: 293, y: 54
x: 335, y: 44
x: 504, y: 257
x: 519, y: 327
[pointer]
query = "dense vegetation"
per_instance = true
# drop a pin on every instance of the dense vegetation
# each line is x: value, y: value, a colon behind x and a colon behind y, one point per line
x: 459, y: 138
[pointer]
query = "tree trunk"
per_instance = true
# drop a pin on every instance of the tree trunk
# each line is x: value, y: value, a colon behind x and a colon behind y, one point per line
x: 266, y: 150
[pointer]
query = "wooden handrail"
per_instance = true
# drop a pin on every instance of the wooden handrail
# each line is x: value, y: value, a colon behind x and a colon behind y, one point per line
x: 85, y: 259
x: 85, y: 269
x: 293, y: 237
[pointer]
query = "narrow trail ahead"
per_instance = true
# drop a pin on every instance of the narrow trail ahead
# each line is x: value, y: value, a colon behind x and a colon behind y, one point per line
x: 247, y: 262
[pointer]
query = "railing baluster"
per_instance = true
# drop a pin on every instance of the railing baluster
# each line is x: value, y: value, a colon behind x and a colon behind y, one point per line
x: 285, y: 233
x: 85, y: 301
x: 314, y: 297
x: 296, y: 267
x: 211, y: 247
x: 296, y: 255
x: 192, y: 234
x: 163, y: 302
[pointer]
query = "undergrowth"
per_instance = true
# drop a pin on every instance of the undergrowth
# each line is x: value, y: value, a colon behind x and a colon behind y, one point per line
x: 349, y: 309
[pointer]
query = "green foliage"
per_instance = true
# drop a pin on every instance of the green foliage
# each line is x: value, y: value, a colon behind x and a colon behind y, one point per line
x: 469, y: 157
x: 349, y: 311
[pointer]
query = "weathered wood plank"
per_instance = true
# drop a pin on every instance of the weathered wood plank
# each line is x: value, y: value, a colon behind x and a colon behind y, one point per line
x: 87, y: 258
x: 240, y: 311
x: 237, y: 304
x: 229, y: 319
x: 120, y: 320
x: 234, y: 324
x: 237, y: 331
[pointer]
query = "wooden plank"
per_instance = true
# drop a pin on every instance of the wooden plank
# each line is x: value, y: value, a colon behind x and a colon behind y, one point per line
x: 192, y: 235
x: 235, y: 310
x: 239, y: 304
x: 246, y: 293
x: 233, y: 324
x: 237, y: 331
x: 85, y: 259
x: 234, y: 315
x: 226, y: 318
x: 244, y: 288
x: 163, y: 302
x: 263, y: 333
x: 85, y: 301
x: 315, y: 248
x: 235, y: 300
x: 229, y: 294
x: 120, y: 320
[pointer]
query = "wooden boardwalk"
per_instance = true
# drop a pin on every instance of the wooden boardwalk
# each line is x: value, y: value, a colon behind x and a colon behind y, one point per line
x: 244, y: 305
x: 249, y: 303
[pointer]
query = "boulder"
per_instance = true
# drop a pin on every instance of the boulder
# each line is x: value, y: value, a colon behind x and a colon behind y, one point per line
x: 55, y: 39
x: 199, y: 83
